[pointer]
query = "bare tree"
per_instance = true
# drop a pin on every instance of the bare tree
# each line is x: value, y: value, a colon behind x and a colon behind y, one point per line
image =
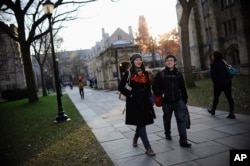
x: 187, y: 6
x: 40, y: 48
x: 28, y: 14
x: 78, y: 65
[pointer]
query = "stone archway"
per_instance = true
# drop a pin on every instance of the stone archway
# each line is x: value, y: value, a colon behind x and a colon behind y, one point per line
x: 123, y: 67
x: 232, y: 55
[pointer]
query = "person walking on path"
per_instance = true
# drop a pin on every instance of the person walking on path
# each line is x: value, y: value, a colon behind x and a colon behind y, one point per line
x: 169, y: 83
x: 80, y: 84
x: 139, y: 108
x: 222, y: 82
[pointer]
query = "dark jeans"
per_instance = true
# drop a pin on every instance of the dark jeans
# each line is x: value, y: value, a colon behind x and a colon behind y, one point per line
x: 179, y: 112
x: 141, y: 132
x: 81, y: 92
x: 227, y: 89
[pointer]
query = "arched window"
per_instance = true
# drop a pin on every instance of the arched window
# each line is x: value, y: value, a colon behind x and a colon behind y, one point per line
x: 232, y: 55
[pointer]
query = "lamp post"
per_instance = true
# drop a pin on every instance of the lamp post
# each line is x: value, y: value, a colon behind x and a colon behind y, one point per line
x: 61, y: 117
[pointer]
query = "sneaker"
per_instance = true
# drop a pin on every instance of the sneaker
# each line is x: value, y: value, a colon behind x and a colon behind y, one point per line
x: 168, y: 137
x: 150, y: 152
x: 212, y: 112
x: 231, y: 116
x: 185, y: 145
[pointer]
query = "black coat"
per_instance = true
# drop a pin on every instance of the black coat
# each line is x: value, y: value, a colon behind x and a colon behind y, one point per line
x: 219, y: 73
x: 139, y: 108
x: 172, y: 85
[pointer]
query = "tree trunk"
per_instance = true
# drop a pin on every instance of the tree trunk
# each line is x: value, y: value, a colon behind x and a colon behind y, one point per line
x: 189, y: 78
x: 246, y: 16
x: 199, y: 39
x: 44, y: 89
x: 29, y: 74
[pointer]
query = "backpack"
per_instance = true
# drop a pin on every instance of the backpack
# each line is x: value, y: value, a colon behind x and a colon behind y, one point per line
x: 80, y: 84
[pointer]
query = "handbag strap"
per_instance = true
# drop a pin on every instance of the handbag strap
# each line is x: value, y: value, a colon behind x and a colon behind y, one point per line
x: 128, y: 79
x: 227, y: 65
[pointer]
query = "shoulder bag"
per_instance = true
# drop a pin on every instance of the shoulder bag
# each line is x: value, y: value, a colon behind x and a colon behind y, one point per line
x: 187, y: 118
x: 158, y: 99
x: 230, y: 69
x: 122, y: 97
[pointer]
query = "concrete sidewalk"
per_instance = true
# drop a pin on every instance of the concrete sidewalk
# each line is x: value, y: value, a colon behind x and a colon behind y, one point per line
x: 211, y: 137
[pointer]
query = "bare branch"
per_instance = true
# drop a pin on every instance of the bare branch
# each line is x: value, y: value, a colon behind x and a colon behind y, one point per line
x: 28, y: 13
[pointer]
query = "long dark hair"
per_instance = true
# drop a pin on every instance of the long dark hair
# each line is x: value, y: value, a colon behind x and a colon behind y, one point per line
x: 217, y: 55
x: 132, y: 69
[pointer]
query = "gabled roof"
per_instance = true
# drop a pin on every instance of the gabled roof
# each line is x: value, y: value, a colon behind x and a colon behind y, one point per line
x: 118, y: 31
x: 121, y: 39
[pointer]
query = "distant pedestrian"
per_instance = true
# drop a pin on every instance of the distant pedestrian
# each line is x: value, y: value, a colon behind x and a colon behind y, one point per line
x: 94, y: 83
x: 71, y: 85
x: 90, y: 83
x: 139, y: 108
x: 221, y: 83
x: 80, y: 84
x: 170, y: 84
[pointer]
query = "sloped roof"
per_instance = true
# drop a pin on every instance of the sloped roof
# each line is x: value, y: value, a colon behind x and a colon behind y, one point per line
x: 121, y: 42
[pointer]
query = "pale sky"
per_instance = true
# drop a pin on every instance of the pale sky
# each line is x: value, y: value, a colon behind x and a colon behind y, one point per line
x: 83, y: 33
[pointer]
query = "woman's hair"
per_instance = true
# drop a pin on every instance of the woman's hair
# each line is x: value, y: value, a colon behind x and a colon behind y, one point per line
x: 217, y: 55
x: 132, y: 58
x: 132, y: 69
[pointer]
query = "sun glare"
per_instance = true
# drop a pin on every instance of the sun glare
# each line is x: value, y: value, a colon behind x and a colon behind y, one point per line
x: 160, y: 16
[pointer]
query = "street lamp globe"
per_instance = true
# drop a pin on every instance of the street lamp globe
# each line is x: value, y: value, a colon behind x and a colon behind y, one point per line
x: 48, y: 7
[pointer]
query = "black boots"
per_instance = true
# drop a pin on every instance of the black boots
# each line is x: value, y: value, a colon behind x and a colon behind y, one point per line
x: 231, y: 115
x: 185, y: 144
x: 168, y: 137
x: 212, y: 112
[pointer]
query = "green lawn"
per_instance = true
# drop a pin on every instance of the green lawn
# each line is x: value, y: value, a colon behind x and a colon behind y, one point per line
x: 202, y: 95
x: 29, y: 135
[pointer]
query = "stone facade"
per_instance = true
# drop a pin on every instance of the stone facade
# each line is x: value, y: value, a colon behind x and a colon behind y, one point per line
x: 11, y: 65
x: 110, y: 58
x: 219, y: 25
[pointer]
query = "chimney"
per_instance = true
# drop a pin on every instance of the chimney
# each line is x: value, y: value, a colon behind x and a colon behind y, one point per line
x: 130, y: 32
x: 103, y: 33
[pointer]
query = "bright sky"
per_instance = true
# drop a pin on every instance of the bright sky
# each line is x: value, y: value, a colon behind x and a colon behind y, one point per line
x: 83, y: 33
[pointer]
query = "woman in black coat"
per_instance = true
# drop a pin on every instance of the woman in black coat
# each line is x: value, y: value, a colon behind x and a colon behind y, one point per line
x: 222, y: 83
x: 139, y: 108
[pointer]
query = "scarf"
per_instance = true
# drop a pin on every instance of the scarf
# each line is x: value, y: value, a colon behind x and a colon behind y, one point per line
x: 139, y: 77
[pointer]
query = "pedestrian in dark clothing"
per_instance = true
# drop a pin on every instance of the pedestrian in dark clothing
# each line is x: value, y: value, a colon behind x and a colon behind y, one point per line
x: 222, y: 82
x: 71, y: 85
x: 170, y: 84
x: 139, y: 109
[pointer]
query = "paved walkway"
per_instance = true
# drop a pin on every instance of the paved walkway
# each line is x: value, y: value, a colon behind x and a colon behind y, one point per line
x: 211, y: 137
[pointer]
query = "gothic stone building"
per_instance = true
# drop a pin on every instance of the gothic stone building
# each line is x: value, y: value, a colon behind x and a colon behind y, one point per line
x: 221, y: 25
x: 110, y: 58
x: 11, y: 66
